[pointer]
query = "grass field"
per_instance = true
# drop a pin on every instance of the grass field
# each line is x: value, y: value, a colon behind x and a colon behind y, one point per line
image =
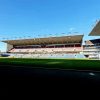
x: 77, y: 64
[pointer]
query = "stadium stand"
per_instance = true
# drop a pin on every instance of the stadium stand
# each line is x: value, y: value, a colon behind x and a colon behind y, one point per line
x: 92, y: 48
x: 96, y: 30
x: 51, y: 47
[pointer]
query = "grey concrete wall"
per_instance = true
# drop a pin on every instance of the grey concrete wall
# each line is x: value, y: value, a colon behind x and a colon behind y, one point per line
x: 9, y: 47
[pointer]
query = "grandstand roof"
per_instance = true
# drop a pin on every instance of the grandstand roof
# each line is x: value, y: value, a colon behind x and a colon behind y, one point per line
x: 92, y: 42
x: 96, y: 30
x: 49, y: 40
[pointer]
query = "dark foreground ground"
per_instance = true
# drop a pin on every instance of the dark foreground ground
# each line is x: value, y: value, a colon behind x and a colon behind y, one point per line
x: 30, y: 81
x: 48, y: 76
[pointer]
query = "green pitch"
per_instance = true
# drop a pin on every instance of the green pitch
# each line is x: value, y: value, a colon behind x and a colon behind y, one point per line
x: 78, y: 64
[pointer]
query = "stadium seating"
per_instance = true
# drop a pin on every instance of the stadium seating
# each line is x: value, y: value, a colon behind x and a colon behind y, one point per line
x: 52, y: 52
x: 52, y: 55
x: 39, y: 50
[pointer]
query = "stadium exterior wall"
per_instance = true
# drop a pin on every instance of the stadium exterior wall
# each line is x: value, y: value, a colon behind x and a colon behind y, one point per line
x: 9, y: 47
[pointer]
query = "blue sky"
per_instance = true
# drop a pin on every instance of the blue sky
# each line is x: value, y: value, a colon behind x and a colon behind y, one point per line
x: 30, y: 18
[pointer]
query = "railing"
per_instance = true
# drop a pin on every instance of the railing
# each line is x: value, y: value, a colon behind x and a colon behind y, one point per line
x: 91, y: 50
x: 52, y: 55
